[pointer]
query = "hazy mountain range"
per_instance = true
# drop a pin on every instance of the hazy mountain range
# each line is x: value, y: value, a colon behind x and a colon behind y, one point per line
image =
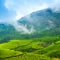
x: 43, y: 21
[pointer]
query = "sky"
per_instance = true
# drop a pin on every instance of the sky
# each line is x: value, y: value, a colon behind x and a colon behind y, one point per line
x: 13, y: 10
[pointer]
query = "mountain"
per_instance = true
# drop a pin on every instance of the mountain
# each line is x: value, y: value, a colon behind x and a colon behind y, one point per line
x: 38, y: 24
x: 6, y: 31
x: 42, y: 20
x: 33, y: 37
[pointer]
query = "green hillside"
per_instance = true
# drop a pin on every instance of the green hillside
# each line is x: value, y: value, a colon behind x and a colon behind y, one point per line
x: 53, y: 50
x: 33, y: 37
x: 8, y: 51
x: 32, y: 49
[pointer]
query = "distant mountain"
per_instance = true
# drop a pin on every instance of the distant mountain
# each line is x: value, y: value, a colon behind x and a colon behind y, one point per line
x: 41, y: 23
x: 41, y: 20
x: 6, y: 31
x: 6, y: 27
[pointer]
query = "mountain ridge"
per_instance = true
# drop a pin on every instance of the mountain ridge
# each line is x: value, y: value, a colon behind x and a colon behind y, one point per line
x: 37, y: 24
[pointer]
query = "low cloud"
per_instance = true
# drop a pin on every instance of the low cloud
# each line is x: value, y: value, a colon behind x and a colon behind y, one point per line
x: 24, y: 7
x: 23, y: 29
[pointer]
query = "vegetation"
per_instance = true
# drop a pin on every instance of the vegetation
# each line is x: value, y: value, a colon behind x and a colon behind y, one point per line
x: 31, y: 49
x: 42, y: 44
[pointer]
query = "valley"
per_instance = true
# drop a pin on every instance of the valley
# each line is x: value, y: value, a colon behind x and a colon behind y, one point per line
x: 34, y: 37
x: 32, y: 49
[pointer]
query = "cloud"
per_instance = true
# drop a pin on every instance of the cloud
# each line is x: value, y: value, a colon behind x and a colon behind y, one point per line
x: 24, y: 7
x: 20, y: 8
x: 23, y: 29
x: 55, y: 5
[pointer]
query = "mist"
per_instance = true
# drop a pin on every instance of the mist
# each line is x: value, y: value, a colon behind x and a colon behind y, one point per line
x: 15, y: 9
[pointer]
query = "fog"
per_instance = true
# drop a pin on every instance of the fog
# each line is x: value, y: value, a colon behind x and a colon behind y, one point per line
x: 20, y: 8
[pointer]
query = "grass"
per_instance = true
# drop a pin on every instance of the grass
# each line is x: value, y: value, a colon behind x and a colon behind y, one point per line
x: 32, y: 49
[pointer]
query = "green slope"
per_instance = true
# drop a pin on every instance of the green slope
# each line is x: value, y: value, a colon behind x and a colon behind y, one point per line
x: 22, y: 45
x: 32, y: 49
x: 7, y: 54
x: 53, y: 50
x: 27, y: 56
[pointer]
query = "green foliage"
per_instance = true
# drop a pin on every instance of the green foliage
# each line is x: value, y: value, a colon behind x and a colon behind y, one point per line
x: 31, y: 49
